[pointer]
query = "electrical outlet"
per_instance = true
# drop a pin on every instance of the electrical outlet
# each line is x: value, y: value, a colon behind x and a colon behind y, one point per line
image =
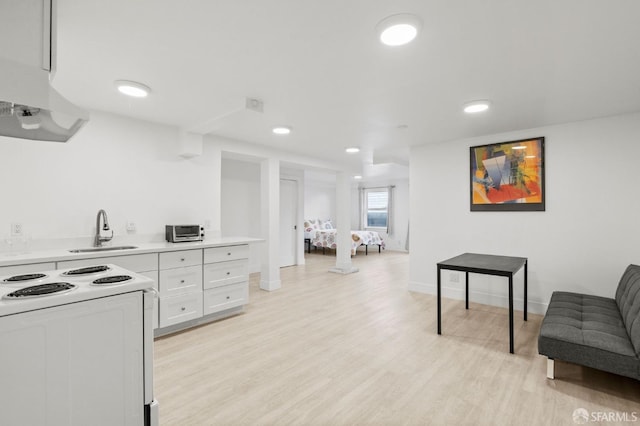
x: 16, y: 229
x: 454, y: 277
x: 131, y: 226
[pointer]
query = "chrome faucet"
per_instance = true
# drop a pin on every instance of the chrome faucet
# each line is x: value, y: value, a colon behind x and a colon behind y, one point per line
x: 105, y: 227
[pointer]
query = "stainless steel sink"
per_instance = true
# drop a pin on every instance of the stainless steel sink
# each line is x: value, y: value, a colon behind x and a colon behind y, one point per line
x: 99, y: 249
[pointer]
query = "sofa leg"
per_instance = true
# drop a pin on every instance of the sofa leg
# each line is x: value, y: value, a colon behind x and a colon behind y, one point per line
x: 550, y: 368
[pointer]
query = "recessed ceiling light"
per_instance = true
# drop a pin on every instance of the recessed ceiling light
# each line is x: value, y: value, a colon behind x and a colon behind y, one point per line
x: 132, y: 88
x: 476, y: 106
x: 352, y: 150
x: 357, y: 177
x: 281, y: 130
x: 396, y: 30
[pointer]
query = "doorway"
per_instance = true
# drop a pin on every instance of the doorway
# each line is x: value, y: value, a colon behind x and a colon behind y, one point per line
x: 288, y: 217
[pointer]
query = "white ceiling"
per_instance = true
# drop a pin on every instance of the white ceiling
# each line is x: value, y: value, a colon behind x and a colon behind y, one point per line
x: 319, y: 68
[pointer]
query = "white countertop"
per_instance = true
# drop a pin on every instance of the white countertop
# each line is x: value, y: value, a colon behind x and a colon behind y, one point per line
x: 57, y: 255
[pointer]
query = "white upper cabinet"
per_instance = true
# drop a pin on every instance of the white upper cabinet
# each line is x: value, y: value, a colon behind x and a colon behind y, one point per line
x: 26, y: 32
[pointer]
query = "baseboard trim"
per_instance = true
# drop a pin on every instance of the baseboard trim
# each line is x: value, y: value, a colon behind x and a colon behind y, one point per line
x: 175, y: 328
x: 533, y: 306
x: 344, y: 270
x: 270, y: 285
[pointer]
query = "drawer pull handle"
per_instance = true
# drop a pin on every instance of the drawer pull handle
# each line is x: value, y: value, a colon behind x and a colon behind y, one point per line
x: 228, y: 273
x: 183, y: 308
x: 181, y: 281
x: 228, y: 254
x: 228, y: 297
x: 182, y: 259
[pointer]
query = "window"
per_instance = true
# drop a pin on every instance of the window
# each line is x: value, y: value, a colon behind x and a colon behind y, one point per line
x: 376, y: 208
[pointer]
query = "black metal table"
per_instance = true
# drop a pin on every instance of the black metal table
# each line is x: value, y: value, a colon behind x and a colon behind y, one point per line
x: 504, y: 266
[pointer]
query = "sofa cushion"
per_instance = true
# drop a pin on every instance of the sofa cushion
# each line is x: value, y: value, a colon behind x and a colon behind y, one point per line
x: 628, y: 300
x: 590, y: 331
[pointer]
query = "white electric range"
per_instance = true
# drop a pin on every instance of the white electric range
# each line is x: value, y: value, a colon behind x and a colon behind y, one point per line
x: 77, y: 347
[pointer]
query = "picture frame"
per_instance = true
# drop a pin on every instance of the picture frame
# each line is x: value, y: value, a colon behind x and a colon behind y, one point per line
x: 508, y: 176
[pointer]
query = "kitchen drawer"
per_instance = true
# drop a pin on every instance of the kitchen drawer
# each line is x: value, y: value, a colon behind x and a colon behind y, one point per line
x: 180, y: 281
x: 221, y: 254
x: 133, y: 262
x: 221, y: 298
x: 176, y: 259
x: 224, y: 273
x: 174, y: 310
x: 26, y: 269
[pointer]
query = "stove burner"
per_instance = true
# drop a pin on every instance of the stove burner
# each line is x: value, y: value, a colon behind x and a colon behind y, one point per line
x: 114, y: 279
x: 88, y: 270
x: 25, y: 277
x: 41, y: 290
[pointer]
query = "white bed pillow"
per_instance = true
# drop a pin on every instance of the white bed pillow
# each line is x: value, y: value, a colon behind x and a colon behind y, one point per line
x: 327, y: 224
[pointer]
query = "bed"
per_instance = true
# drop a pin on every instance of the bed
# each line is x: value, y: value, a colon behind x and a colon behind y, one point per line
x: 322, y: 234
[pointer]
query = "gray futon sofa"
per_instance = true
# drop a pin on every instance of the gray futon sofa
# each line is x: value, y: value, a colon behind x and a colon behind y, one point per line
x: 594, y: 331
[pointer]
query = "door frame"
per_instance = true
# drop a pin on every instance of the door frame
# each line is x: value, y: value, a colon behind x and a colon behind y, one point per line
x: 299, y: 251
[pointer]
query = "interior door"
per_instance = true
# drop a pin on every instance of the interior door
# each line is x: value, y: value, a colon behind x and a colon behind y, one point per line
x: 288, y: 215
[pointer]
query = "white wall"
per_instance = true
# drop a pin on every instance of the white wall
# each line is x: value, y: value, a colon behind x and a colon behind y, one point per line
x: 582, y: 242
x: 320, y: 200
x: 240, y: 204
x: 128, y: 167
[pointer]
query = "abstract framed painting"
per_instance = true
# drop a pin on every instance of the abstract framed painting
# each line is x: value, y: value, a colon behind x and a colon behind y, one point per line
x: 508, y: 176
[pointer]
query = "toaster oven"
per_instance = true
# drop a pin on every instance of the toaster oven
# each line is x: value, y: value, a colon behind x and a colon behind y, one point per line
x: 182, y: 233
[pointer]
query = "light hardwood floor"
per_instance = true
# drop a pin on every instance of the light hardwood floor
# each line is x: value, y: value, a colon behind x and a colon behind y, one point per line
x: 359, y: 349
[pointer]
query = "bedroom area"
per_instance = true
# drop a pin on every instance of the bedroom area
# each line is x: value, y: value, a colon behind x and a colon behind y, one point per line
x: 379, y: 215
x: 308, y: 219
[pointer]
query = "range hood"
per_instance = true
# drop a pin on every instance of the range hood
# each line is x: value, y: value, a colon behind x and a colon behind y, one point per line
x: 30, y: 108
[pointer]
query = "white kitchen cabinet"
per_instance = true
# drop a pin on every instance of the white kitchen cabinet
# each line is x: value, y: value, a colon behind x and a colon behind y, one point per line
x: 199, y: 286
x: 194, y: 285
x: 177, y: 259
x: 180, y: 286
x: 178, y: 281
x: 225, y: 297
x: 26, y: 32
x: 26, y: 269
x: 225, y: 273
x: 177, y: 309
x: 226, y: 278
x: 223, y: 254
